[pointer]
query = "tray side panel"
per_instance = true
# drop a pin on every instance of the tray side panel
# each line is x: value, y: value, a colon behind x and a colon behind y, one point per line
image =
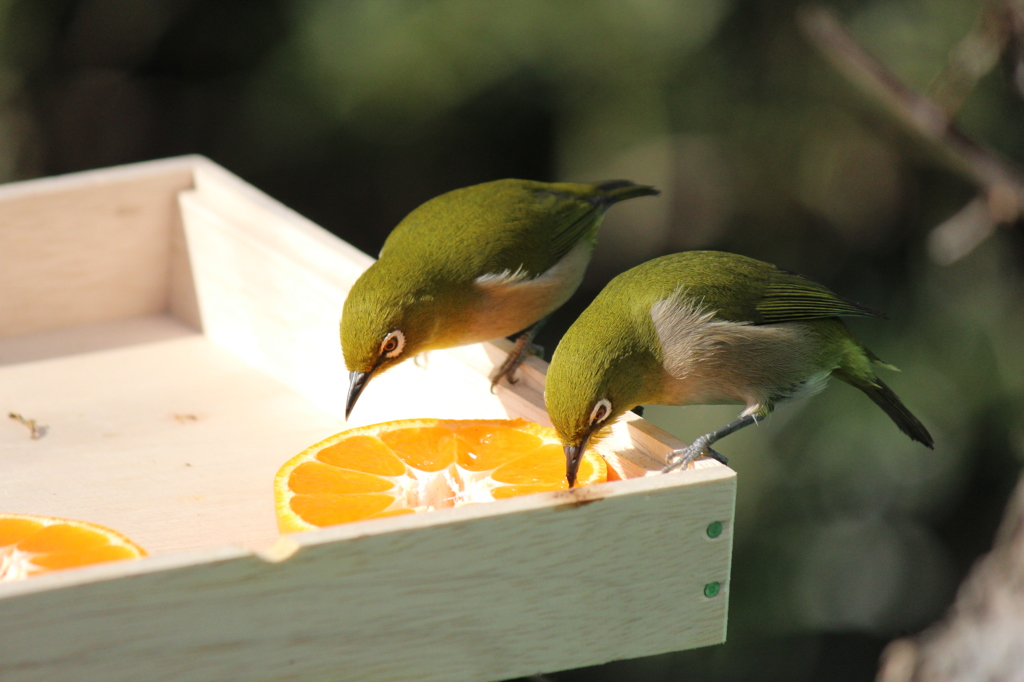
x: 271, y: 284
x: 545, y: 588
x: 92, y: 247
x: 266, y: 303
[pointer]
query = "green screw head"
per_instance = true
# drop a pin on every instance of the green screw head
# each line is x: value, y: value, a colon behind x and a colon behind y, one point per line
x: 715, y: 529
x: 712, y: 590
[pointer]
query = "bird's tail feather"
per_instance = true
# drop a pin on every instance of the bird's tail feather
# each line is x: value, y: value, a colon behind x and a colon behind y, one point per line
x: 614, y: 191
x: 883, y: 396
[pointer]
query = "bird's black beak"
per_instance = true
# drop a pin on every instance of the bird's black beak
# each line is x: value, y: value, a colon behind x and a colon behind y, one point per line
x: 573, y: 457
x: 356, y: 383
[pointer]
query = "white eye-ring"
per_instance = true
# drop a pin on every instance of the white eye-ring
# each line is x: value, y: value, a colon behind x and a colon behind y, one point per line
x: 393, y: 344
x: 602, y: 408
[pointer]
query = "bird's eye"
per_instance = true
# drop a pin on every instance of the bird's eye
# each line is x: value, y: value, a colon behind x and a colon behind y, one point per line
x: 601, y: 410
x: 393, y: 344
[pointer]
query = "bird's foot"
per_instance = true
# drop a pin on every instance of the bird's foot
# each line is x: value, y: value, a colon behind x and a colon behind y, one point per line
x: 718, y: 457
x: 682, y: 458
x: 523, y: 348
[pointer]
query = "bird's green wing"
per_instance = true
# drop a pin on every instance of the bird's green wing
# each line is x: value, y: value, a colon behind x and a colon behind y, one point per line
x: 737, y: 288
x: 580, y: 208
x: 567, y: 220
x: 508, y: 227
x: 789, y: 297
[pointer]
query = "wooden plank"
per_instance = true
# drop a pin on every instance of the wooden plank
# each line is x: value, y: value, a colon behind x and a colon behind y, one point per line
x: 268, y: 305
x: 175, y: 443
x: 277, y: 226
x: 88, y: 338
x: 480, y: 592
x: 271, y: 283
x: 91, y: 247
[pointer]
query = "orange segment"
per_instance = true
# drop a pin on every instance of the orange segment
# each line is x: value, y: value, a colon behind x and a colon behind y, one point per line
x: 487, y: 447
x: 592, y: 470
x: 542, y: 465
x: 32, y: 544
x: 330, y: 510
x: 416, y: 465
x: 363, y: 453
x: 317, y: 478
x: 62, y: 537
x: 93, y: 555
x: 424, y: 448
x: 14, y: 528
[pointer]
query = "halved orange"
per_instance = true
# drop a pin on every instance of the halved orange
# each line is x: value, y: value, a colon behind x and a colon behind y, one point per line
x: 32, y: 544
x: 415, y: 465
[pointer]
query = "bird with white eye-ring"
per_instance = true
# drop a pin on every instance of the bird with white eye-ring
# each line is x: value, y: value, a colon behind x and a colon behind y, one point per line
x: 707, y: 328
x: 472, y: 265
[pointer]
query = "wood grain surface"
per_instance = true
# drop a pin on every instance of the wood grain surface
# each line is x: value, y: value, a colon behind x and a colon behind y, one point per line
x: 90, y: 247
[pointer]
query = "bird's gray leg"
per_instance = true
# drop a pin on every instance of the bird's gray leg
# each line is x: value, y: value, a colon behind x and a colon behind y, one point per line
x: 680, y: 459
x: 524, y: 346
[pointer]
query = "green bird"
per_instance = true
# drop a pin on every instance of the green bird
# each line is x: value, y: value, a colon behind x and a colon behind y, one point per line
x: 474, y: 264
x: 706, y: 328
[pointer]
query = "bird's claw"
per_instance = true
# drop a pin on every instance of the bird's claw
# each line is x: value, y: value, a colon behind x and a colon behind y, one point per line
x: 682, y: 458
x: 507, y: 371
x: 516, y: 356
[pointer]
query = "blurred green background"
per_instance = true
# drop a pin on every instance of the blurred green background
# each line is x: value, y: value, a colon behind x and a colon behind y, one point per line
x: 354, y: 112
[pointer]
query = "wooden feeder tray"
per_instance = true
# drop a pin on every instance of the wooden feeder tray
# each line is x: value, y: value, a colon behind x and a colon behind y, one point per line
x: 176, y: 333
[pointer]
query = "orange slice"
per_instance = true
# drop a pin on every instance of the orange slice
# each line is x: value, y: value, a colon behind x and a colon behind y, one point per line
x: 415, y: 465
x: 35, y: 544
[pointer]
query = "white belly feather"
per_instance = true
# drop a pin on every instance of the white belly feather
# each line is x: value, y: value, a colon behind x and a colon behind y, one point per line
x: 511, y: 302
x: 710, y: 361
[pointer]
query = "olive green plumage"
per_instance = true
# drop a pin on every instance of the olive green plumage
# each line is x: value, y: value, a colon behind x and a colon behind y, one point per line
x: 706, y: 327
x: 474, y: 264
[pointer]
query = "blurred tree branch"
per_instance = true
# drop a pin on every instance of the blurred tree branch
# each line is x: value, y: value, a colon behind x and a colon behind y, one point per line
x: 982, y: 637
x: 977, y: 53
x: 930, y: 118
